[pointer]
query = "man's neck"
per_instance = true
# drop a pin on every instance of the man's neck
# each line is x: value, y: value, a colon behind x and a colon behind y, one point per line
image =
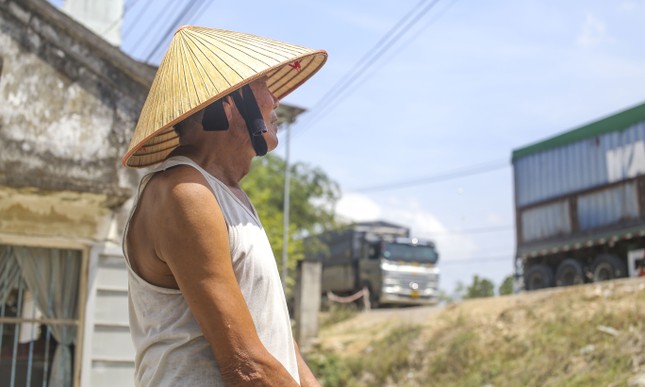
x: 228, y: 167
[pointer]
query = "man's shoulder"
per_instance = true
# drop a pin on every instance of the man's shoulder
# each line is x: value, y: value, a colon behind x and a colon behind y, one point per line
x: 172, y: 177
x: 179, y: 183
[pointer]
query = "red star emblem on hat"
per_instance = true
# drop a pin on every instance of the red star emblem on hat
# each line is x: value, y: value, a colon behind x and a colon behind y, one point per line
x: 295, y: 65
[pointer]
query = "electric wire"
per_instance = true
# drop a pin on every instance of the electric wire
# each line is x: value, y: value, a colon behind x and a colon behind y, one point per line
x: 126, y: 8
x: 138, y: 16
x: 172, y: 9
x: 186, y: 14
x: 145, y: 39
x: 470, y: 171
x: 368, y: 75
x: 368, y: 60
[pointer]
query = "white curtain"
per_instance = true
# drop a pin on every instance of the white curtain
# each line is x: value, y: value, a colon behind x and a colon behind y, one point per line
x: 53, y: 275
x: 9, y: 272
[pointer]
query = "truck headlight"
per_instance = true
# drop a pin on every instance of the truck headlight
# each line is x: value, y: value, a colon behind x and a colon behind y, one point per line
x: 392, y: 289
x: 390, y: 281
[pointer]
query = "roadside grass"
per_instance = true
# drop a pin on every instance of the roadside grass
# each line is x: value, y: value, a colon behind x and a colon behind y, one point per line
x: 330, y: 368
x: 386, y: 361
x: 389, y: 360
x: 571, y: 338
x: 337, y: 313
x: 558, y: 348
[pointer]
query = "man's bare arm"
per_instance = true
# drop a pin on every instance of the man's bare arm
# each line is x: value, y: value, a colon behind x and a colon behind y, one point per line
x: 307, y: 378
x: 193, y: 240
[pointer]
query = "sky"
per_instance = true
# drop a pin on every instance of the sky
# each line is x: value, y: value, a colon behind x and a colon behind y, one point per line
x: 422, y: 135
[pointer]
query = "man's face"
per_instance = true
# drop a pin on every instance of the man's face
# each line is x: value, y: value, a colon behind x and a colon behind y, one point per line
x: 267, y: 104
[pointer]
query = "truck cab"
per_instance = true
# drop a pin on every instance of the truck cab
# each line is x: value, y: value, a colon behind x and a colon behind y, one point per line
x: 381, y: 257
x: 400, y: 270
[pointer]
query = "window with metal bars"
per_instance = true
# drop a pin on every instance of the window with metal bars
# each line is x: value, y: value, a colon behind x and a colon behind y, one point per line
x: 38, y: 316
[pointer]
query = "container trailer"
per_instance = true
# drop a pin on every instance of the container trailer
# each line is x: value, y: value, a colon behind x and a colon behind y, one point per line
x: 580, y: 203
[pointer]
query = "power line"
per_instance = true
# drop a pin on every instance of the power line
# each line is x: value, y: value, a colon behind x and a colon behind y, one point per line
x: 367, y: 76
x: 194, y: 6
x: 126, y: 7
x: 142, y: 10
x: 474, y: 170
x: 155, y: 22
x: 329, y: 100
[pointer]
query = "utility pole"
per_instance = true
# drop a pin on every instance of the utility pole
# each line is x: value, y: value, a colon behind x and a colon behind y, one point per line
x: 287, y: 116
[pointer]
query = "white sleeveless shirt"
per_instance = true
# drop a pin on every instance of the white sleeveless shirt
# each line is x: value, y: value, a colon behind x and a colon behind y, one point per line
x: 170, y: 348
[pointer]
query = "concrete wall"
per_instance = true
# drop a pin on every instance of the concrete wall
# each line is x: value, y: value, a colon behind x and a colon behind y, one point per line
x: 70, y: 104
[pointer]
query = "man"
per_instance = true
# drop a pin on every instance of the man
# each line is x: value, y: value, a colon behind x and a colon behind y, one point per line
x: 206, y: 302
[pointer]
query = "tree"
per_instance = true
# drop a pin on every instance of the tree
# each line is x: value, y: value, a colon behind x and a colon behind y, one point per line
x: 507, y: 286
x: 481, y: 287
x: 444, y: 298
x: 313, y: 196
x: 460, y: 291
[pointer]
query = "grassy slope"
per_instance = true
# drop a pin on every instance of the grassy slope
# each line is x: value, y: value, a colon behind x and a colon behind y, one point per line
x: 592, y: 335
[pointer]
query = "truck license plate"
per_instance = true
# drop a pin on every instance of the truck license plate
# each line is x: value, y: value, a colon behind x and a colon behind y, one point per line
x: 414, y: 294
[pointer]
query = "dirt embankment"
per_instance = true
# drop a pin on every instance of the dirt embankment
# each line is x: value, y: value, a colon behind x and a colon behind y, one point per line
x: 584, y: 335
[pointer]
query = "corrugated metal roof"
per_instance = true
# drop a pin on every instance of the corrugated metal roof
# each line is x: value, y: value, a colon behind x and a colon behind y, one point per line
x: 616, y: 122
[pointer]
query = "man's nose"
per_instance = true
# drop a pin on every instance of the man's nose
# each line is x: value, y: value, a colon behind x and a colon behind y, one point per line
x: 276, y: 101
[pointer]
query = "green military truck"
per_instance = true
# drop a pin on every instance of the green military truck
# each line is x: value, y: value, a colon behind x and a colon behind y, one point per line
x: 379, y: 256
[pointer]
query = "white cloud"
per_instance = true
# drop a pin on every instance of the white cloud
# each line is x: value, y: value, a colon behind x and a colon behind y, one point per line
x: 423, y: 224
x: 629, y: 6
x: 594, y: 32
x: 357, y: 207
x: 453, y: 246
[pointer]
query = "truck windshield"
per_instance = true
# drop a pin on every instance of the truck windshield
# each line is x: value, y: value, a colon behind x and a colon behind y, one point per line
x: 404, y: 252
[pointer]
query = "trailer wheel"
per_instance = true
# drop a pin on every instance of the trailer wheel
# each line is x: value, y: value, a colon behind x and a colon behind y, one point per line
x: 607, y: 267
x: 538, y: 277
x: 570, y: 272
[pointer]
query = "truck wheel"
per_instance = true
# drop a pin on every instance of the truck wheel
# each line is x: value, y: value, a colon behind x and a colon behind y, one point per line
x: 538, y: 277
x: 569, y: 272
x: 607, y: 267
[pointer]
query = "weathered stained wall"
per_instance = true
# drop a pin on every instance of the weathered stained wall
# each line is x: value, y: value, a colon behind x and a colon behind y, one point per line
x: 65, y: 214
x: 70, y: 103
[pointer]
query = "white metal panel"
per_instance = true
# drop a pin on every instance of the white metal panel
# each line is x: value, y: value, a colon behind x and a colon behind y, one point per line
x: 111, y: 273
x: 111, y: 307
x: 111, y: 353
x: 112, y: 343
x: 111, y: 374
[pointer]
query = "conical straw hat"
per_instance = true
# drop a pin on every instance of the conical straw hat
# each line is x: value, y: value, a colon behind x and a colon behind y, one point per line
x: 201, y: 66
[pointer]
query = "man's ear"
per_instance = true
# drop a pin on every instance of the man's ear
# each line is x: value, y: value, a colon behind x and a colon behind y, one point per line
x: 228, y: 106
